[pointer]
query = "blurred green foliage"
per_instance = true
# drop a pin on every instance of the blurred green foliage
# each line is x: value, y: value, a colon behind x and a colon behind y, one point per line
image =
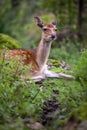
x: 16, y: 18
x: 8, y: 42
x: 81, y: 67
x: 79, y: 114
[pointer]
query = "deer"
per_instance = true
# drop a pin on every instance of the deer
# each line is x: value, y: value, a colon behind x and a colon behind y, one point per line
x: 38, y: 57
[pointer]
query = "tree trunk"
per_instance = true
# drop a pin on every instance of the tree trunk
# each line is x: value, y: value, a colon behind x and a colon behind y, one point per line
x: 15, y: 3
x: 80, y: 16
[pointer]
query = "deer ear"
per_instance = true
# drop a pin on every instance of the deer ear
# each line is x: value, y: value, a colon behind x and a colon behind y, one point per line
x: 38, y: 22
x: 54, y: 23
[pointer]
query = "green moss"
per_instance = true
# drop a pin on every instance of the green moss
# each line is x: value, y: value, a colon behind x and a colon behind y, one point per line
x: 54, y: 62
x: 8, y: 42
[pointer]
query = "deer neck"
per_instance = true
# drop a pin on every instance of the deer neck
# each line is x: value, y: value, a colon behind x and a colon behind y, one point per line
x: 43, y: 51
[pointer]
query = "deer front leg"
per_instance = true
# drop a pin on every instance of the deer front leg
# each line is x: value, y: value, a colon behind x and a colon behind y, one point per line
x: 38, y: 78
x: 57, y: 75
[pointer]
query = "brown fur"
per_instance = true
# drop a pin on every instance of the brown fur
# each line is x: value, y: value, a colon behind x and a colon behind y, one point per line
x: 28, y: 56
x: 49, y: 25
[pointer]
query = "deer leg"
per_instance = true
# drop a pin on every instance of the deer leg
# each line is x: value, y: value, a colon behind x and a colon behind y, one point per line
x: 57, y: 75
x: 38, y: 78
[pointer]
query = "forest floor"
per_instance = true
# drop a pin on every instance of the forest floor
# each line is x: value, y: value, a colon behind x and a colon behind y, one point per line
x: 45, y: 105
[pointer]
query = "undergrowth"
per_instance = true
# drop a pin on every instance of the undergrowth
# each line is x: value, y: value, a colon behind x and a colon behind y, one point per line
x: 22, y: 102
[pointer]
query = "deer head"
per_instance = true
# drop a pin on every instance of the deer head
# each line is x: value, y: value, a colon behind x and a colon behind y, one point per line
x: 49, y: 31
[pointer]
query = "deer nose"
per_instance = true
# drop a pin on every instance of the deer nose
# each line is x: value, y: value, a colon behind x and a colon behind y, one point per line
x: 53, y: 36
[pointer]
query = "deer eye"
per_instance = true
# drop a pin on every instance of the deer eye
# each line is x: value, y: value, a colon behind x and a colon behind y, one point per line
x: 45, y: 29
x: 56, y: 29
